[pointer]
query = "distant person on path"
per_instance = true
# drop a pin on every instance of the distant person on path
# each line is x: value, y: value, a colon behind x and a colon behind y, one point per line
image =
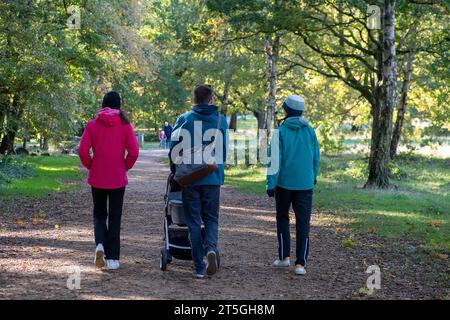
x: 201, y: 200
x: 293, y: 180
x: 162, y: 139
x: 109, y: 136
x: 168, y: 131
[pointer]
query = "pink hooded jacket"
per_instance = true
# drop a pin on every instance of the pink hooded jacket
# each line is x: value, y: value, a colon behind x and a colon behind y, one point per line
x: 108, y: 137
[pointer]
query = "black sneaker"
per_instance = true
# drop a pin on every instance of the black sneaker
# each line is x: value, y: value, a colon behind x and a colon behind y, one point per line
x: 211, y: 267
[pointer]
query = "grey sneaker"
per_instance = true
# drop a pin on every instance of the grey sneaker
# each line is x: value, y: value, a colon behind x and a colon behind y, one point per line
x: 211, y: 266
x: 112, y: 264
x: 285, y: 263
x: 300, y: 270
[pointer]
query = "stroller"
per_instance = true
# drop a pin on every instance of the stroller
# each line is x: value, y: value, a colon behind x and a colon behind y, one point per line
x: 176, y: 236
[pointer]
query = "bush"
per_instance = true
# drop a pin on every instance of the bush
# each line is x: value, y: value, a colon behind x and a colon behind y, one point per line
x: 14, y: 168
x: 151, y: 137
x: 357, y: 169
x: 331, y: 141
x: 396, y: 171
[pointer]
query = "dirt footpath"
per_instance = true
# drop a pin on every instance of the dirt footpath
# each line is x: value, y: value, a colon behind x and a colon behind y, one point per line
x: 39, y: 252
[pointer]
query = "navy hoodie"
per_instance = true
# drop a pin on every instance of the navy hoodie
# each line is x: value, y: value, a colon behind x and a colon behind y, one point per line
x: 208, y: 116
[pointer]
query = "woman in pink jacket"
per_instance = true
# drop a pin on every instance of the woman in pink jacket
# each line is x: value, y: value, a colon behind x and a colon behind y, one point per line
x: 109, y: 136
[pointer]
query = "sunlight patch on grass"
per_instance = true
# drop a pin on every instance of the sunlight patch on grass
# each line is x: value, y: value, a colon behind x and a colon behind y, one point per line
x: 46, y: 168
x: 248, y: 180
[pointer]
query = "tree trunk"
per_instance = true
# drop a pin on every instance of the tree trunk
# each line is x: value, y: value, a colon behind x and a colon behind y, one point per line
x: 13, y: 115
x: 24, y: 143
x: 3, y: 106
x: 260, y: 136
x: 383, y: 104
x: 233, y: 121
x: 272, y: 51
x: 261, y: 120
x: 45, y: 143
x: 227, y: 79
x: 402, y: 106
x: 3, y: 111
x: 7, y: 144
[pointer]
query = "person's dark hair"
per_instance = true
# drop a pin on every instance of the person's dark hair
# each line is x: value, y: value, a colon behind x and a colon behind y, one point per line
x: 112, y: 100
x: 203, y: 94
x: 286, y: 116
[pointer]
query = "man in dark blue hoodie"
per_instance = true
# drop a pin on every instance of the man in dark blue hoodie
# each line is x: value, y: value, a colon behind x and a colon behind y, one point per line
x: 168, y: 131
x: 201, y: 200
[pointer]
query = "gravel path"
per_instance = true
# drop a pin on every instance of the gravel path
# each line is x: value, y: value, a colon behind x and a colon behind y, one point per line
x: 38, y: 252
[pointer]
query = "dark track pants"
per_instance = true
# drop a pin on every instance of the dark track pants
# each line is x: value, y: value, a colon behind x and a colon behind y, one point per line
x: 107, y: 219
x: 301, y: 201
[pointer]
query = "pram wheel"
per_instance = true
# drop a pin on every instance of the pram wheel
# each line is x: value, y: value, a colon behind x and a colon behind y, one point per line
x: 164, y: 260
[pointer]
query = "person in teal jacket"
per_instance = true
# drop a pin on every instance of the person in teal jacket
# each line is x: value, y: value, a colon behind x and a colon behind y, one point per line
x: 292, y: 174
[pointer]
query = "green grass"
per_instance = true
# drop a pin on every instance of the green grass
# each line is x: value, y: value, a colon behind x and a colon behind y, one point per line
x: 250, y: 180
x: 249, y: 123
x: 418, y: 209
x: 50, y: 174
x: 150, y: 145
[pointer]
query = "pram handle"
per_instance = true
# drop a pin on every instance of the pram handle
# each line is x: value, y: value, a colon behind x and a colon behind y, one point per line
x: 169, y: 180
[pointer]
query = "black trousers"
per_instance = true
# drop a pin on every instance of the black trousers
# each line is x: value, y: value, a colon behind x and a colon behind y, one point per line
x: 301, y: 201
x: 108, y: 204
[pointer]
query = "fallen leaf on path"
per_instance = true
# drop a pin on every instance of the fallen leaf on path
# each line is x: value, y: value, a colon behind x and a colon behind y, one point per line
x: 362, y: 292
x: 439, y: 255
x: 339, y: 230
x: 40, y: 215
x: 20, y: 223
x: 349, y: 243
x: 37, y: 221
x: 56, y: 226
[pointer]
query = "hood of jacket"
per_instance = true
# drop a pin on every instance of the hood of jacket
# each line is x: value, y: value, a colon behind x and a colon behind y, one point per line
x: 295, y: 123
x: 206, y: 112
x: 109, y: 117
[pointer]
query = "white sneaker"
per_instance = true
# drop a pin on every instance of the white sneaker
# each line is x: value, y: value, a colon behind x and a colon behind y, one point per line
x: 112, y: 264
x: 300, y: 270
x: 99, y: 259
x: 282, y: 263
x: 198, y: 275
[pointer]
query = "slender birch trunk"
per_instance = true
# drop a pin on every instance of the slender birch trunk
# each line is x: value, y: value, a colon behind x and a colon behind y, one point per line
x: 401, y: 110
x: 384, y: 104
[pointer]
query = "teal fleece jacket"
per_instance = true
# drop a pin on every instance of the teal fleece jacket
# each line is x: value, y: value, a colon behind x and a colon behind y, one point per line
x: 297, y: 164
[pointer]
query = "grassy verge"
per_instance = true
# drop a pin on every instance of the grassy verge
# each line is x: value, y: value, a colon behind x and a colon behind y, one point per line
x: 150, y: 145
x: 419, y: 209
x: 46, y: 175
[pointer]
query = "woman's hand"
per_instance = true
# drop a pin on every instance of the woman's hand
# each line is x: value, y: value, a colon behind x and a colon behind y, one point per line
x: 271, y: 193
